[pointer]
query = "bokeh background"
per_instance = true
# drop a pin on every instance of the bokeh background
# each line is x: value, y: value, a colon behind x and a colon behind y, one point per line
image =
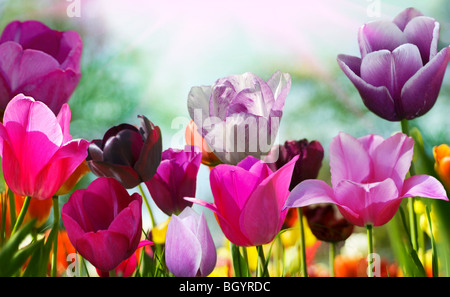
x: 143, y: 56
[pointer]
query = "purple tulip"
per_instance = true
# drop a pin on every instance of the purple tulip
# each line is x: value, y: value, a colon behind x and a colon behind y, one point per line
x: 175, y: 179
x: 189, y: 247
x: 128, y: 154
x: 308, y: 164
x: 103, y: 222
x: 368, y: 179
x: 39, y: 62
x: 400, y: 72
x: 239, y: 115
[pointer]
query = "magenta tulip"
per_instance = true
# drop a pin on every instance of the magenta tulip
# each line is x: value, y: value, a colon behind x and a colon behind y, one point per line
x: 400, y: 72
x: 103, y: 222
x: 248, y: 200
x: 368, y: 179
x: 38, y: 153
x: 175, y: 178
x: 189, y: 247
x: 39, y: 62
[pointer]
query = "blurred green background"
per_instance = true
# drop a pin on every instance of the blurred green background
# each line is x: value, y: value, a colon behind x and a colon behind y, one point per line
x: 142, y: 57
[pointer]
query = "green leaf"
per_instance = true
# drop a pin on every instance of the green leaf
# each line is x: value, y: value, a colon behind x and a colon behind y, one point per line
x: 11, y: 257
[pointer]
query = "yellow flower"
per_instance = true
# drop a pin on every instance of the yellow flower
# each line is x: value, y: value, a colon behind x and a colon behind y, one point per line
x: 159, y: 232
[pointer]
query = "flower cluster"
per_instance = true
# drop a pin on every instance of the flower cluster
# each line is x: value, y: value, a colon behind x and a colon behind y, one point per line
x: 262, y: 191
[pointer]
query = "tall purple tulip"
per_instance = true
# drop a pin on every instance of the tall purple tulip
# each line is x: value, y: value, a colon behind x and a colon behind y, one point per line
x: 175, y: 179
x: 103, y: 222
x: 39, y: 62
x: 239, y: 115
x: 400, y: 72
x: 128, y: 154
x: 189, y: 247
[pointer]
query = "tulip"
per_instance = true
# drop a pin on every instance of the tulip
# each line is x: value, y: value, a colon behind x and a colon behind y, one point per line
x: 127, y: 267
x: 128, y: 154
x: 175, y: 178
x: 38, y: 153
x: 326, y: 224
x: 194, y: 138
x: 248, y: 200
x: 368, y: 179
x: 239, y: 115
x: 103, y: 222
x: 441, y: 155
x: 189, y: 249
x: 400, y: 72
x: 309, y: 162
x: 39, y: 62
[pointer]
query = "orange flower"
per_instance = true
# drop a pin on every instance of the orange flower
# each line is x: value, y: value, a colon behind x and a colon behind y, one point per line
x: 74, y: 178
x: 442, y: 163
x: 65, y: 248
x: 345, y: 266
x: 194, y: 138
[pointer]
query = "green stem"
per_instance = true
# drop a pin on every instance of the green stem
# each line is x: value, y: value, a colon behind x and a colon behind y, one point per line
x: 147, y: 205
x: 412, y: 213
x: 55, y: 228
x: 22, y: 214
x: 302, y: 247
x: 262, y: 261
x: 370, y: 249
x: 332, y: 258
x: 236, y: 260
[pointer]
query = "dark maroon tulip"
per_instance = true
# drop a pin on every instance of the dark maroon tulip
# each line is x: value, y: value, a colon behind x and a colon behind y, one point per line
x: 103, y: 222
x: 39, y: 62
x: 175, y: 179
x: 400, y: 72
x: 327, y: 224
x: 308, y: 164
x: 128, y: 154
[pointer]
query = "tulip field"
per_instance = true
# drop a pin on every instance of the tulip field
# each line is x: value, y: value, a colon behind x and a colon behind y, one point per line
x: 192, y: 147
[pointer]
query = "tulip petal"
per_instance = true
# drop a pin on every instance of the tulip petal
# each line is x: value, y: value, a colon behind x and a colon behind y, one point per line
x: 209, y: 254
x: 424, y: 186
x: 198, y: 105
x: 97, y: 248
x: 280, y: 84
x: 379, y: 35
x: 150, y: 156
x: 348, y: 159
x: 363, y: 204
x: 376, y: 99
x: 392, y: 158
x: 308, y: 192
x: 63, y: 118
x: 183, y: 251
x: 423, y: 32
x: 421, y: 91
x: 403, y: 18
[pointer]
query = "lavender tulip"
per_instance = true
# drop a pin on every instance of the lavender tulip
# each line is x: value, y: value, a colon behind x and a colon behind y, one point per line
x: 400, y: 72
x: 175, y: 179
x: 239, y: 115
x: 189, y: 247
x: 39, y: 62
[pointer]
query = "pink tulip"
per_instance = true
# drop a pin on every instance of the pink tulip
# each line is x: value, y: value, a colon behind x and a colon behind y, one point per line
x: 39, y: 62
x: 368, y: 179
x: 248, y: 200
x: 37, y: 150
x: 103, y: 222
